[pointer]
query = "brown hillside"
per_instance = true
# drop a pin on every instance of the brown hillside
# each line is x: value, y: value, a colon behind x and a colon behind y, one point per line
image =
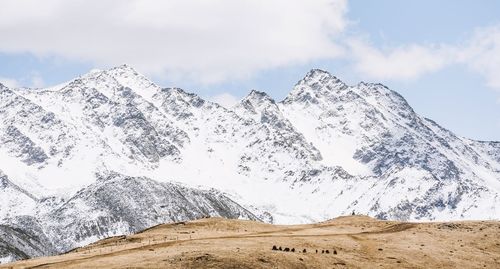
x: 360, y: 242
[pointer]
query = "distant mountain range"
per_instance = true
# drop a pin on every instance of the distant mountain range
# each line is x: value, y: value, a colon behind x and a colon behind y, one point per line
x: 110, y: 152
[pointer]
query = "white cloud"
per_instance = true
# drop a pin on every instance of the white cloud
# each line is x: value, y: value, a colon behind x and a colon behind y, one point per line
x: 34, y: 81
x: 208, y: 41
x: 218, y: 40
x: 480, y: 52
x: 225, y: 99
x: 405, y: 62
x: 9, y: 82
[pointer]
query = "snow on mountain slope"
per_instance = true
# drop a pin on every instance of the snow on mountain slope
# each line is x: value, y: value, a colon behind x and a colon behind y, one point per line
x: 382, y: 138
x: 111, y: 127
x: 14, y: 200
x: 321, y: 97
x: 489, y: 150
x: 117, y: 204
x: 263, y: 109
x: 114, y: 205
x: 32, y: 141
x: 23, y: 240
x: 327, y: 149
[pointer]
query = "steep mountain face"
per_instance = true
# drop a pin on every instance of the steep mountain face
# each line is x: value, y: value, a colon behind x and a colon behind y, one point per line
x: 326, y: 149
x: 118, y: 204
x: 23, y: 240
x: 262, y: 109
x: 15, y: 200
x: 115, y: 204
x: 372, y: 132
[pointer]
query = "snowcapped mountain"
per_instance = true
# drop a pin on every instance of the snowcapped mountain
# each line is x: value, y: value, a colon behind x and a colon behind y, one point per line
x: 97, y: 156
x: 114, y: 205
x: 419, y: 169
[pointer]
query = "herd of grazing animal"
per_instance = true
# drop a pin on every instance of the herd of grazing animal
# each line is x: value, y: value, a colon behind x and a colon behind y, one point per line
x: 286, y: 249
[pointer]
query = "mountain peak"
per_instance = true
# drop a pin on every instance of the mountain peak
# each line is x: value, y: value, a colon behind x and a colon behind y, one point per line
x: 120, y: 70
x: 123, y: 67
x: 258, y: 96
x: 125, y: 71
x: 317, y: 71
x: 319, y: 79
x: 315, y: 85
x: 129, y: 77
x: 319, y: 75
x: 371, y: 84
x: 254, y: 104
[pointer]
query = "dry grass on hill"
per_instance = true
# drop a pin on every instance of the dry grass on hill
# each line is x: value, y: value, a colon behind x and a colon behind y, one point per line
x: 358, y: 241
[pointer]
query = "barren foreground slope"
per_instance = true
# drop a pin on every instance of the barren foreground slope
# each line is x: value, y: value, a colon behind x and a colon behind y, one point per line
x: 345, y: 242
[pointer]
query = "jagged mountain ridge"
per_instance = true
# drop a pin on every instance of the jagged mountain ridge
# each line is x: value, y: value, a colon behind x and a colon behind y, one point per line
x: 114, y: 205
x: 326, y: 149
x: 382, y: 134
x: 324, y: 131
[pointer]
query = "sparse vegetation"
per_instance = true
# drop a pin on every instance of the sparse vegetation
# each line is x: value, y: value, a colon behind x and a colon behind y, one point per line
x: 148, y: 248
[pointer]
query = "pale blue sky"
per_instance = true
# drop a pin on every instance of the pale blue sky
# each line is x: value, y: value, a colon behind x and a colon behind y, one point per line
x: 450, y: 86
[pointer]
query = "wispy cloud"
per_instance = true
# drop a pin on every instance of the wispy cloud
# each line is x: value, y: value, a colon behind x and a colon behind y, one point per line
x: 225, y: 99
x: 9, y: 82
x: 36, y: 80
x: 33, y: 81
x: 405, y: 62
x: 480, y: 53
